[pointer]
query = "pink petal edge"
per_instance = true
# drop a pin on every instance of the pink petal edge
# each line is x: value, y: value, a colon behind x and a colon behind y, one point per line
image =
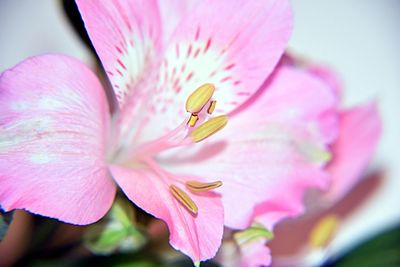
x: 255, y: 254
x: 199, y: 236
x: 360, y: 129
x: 53, y: 120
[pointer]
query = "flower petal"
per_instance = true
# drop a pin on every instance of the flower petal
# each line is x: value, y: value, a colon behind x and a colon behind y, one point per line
x: 126, y: 36
x: 360, y: 129
x: 329, y: 76
x: 255, y: 254
x: 172, y: 12
x: 272, y: 151
x: 199, y: 236
x: 53, y: 119
x: 218, y: 43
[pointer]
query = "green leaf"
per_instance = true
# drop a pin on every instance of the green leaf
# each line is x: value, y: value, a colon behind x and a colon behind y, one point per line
x: 5, y: 220
x: 253, y: 233
x: 116, y: 232
x: 382, y: 250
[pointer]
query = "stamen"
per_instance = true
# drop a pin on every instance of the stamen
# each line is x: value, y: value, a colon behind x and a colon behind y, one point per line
x: 184, y: 199
x: 193, y: 119
x: 199, y: 98
x: 209, y: 128
x: 211, y: 108
x: 324, y: 231
x: 202, y: 187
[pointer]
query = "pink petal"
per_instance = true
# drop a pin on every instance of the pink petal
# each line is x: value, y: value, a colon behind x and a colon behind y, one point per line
x: 329, y: 76
x: 126, y: 36
x: 172, y: 12
x: 360, y: 129
x: 255, y: 254
x: 218, y: 43
x: 271, y: 152
x: 53, y: 119
x: 199, y: 236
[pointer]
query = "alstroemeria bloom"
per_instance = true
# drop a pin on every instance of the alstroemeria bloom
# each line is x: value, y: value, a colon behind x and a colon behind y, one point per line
x: 358, y: 133
x: 61, y: 151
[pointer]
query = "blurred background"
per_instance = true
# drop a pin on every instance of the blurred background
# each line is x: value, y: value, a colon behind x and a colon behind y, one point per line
x: 360, y: 39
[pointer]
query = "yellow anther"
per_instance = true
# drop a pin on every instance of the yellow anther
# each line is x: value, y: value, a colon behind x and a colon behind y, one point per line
x: 184, y: 199
x: 323, y: 231
x: 192, y: 120
x: 208, y: 128
x: 202, y: 187
x: 199, y: 98
x: 211, y: 108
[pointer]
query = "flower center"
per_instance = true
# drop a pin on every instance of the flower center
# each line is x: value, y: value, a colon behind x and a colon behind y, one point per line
x: 197, y: 127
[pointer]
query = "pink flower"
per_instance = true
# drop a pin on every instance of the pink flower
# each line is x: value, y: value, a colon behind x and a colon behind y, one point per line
x: 61, y: 150
x: 358, y: 133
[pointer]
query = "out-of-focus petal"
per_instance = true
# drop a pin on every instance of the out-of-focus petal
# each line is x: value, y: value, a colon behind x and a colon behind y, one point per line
x: 329, y: 76
x: 255, y: 254
x: 252, y: 245
x: 360, y: 129
x: 126, y: 36
x: 53, y: 130
x: 198, y: 236
x: 218, y: 43
x: 271, y: 152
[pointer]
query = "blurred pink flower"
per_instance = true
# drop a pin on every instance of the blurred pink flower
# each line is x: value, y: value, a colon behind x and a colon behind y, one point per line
x: 358, y: 133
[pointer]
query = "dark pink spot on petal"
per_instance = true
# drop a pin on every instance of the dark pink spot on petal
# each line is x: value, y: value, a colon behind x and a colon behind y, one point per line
x: 230, y: 66
x: 190, y: 75
x: 222, y: 51
x: 176, y: 86
x: 119, y: 72
x: 123, y: 45
x: 121, y: 64
x: 183, y: 68
x: 196, y: 53
x: 189, y: 51
x: 237, y: 82
x: 208, y: 44
x: 197, y: 33
x: 119, y: 49
x: 226, y: 79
